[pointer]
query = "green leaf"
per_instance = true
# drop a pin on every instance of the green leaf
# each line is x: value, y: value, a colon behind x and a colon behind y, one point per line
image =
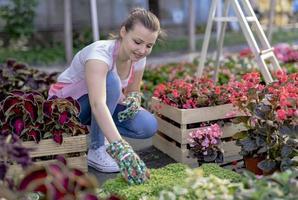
x: 291, y: 131
x: 286, y: 151
x: 262, y: 150
x: 267, y: 165
x: 240, y: 135
x: 285, y: 164
x: 247, y: 144
x: 241, y: 119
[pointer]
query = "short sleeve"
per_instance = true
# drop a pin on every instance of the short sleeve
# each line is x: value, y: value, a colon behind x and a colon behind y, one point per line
x: 98, y: 52
x: 140, y: 65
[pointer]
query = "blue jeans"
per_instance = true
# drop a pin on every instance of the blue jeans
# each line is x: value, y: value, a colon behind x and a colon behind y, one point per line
x: 143, y: 125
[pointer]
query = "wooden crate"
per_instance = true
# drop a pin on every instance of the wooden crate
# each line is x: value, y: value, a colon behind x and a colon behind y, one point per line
x: 174, y: 129
x: 47, y: 147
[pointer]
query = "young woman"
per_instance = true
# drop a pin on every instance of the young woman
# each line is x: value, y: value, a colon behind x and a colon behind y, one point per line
x: 105, y: 78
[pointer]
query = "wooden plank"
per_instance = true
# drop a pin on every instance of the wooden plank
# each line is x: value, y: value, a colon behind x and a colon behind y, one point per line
x: 181, y: 136
x: 170, y: 130
x: 168, y: 148
x: 73, y: 162
x: 166, y: 110
x: 189, y: 116
x: 231, y: 151
x: 230, y: 129
x: 230, y: 148
x: 49, y: 147
x: 203, y: 114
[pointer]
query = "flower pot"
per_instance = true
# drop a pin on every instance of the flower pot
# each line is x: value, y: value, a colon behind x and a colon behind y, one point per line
x: 251, y: 164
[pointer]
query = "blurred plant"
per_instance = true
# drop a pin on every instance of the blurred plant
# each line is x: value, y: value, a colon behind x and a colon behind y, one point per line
x: 200, y: 188
x: 29, y: 116
x: 12, y: 152
x: 58, y: 181
x: 205, y: 144
x: 53, y: 181
x: 16, y: 76
x: 285, y: 53
x: 277, y: 186
x: 272, y: 119
x: 19, y: 18
x: 192, y: 93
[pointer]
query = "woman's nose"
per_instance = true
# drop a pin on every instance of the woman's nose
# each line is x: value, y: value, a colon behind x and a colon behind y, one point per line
x: 143, y: 50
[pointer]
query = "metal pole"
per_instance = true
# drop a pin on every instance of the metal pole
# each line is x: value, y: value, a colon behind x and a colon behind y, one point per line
x: 271, y: 19
x: 94, y: 19
x: 192, y: 26
x: 68, y: 42
x: 218, y: 23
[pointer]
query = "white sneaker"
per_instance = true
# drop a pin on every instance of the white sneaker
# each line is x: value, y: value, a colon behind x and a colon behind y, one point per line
x: 100, y: 160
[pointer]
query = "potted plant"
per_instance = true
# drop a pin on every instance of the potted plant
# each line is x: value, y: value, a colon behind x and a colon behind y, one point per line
x: 272, y: 120
x: 205, y: 144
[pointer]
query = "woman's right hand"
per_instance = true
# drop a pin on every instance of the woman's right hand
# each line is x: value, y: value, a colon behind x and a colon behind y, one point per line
x: 132, y: 168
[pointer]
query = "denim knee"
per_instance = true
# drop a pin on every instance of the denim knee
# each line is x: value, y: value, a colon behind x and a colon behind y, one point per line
x: 148, y: 126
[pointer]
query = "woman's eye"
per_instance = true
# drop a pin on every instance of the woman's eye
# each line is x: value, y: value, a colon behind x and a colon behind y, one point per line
x: 149, y: 46
x: 137, y: 42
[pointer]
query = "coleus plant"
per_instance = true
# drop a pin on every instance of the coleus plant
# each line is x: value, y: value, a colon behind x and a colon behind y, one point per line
x: 12, y: 151
x: 31, y: 117
x: 17, y: 76
x: 58, y: 181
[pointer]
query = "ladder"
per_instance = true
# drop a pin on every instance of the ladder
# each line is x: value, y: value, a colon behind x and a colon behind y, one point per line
x: 263, y: 53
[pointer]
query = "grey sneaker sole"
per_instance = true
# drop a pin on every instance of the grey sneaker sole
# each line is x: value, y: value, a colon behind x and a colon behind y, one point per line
x: 102, y: 168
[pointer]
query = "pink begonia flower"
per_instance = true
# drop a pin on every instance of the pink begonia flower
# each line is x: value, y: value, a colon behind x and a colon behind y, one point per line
x: 213, y: 141
x: 281, y: 114
x: 175, y: 93
x: 296, y: 113
x: 205, y: 143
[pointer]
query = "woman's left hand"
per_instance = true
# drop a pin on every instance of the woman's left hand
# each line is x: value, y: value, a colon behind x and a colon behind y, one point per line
x: 133, y: 104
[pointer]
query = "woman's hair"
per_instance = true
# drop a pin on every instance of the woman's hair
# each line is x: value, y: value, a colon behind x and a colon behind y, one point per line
x: 146, y: 18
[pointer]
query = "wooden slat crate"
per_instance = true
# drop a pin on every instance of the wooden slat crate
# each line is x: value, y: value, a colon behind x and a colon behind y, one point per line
x: 174, y: 128
x: 76, y: 145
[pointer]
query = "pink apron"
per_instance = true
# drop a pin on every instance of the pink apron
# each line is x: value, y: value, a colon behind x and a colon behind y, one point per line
x: 78, y: 89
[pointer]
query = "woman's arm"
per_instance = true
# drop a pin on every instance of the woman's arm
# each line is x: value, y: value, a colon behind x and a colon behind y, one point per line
x: 135, y: 85
x: 96, y: 73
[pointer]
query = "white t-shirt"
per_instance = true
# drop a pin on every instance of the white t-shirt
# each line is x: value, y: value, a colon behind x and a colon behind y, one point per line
x: 100, y: 50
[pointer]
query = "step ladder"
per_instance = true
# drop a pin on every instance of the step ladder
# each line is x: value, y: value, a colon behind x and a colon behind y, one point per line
x: 247, y: 19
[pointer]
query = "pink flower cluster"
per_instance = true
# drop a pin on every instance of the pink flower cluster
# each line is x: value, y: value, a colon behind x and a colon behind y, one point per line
x: 281, y: 96
x: 192, y: 93
x: 205, y: 138
x: 284, y: 53
x: 245, y: 91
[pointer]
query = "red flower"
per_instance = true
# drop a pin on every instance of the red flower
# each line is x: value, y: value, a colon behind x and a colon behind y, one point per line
x: 281, y: 114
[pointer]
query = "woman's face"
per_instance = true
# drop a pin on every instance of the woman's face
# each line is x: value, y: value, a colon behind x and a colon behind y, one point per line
x: 138, y: 42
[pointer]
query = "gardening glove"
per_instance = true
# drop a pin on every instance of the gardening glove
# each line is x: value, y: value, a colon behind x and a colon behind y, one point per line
x: 132, y: 168
x: 133, y: 104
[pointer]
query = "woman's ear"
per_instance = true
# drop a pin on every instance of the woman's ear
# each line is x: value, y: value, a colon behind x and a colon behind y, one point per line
x: 122, y: 32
